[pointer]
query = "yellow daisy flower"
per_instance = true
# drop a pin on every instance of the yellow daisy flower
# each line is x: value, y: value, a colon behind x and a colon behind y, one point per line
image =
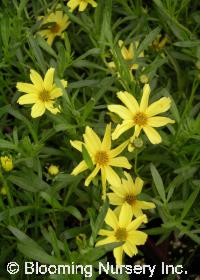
x: 126, y: 192
x: 123, y: 230
x: 102, y: 157
x: 82, y: 4
x: 58, y: 22
x: 128, y: 54
x: 41, y: 93
x: 141, y: 116
x: 7, y: 163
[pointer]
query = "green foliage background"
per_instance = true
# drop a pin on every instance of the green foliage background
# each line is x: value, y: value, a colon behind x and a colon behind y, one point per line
x: 41, y: 217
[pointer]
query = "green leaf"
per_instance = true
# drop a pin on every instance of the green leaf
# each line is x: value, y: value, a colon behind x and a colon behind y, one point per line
x: 87, y: 157
x: 189, y: 202
x: 14, y: 211
x: 158, y: 182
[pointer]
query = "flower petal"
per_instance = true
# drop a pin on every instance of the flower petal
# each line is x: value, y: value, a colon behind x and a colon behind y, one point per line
x: 129, y: 100
x: 112, y: 176
x: 48, y: 79
x: 103, y: 180
x: 73, y: 4
x: 82, y: 6
x: 120, y: 162
x: 125, y: 215
x: 49, y: 106
x: 55, y: 93
x: 92, y: 139
x: 77, y: 145
x: 38, y: 109
x: 111, y: 219
x: 92, y: 175
x: 27, y: 99
x: 121, y: 111
x: 27, y: 88
x: 121, y: 128
x: 129, y: 249
x: 145, y: 205
x: 138, y: 185
x: 115, y: 199
x: 152, y: 134
x: 137, y: 236
x: 136, y: 223
x: 159, y: 121
x: 82, y: 166
x: 158, y: 107
x: 105, y: 232
x: 107, y: 240
x: 36, y: 79
x: 116, y: 151
x: 106, y: 143
x: 145, y: 97
x: 118, y: 253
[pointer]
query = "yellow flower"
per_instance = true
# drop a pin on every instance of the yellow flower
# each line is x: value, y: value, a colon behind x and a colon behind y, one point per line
x: 128, y: 54
x: 160, y: 42
x: 41, y: 93
x: 141, y: 116
x: 53, y: 170
x: 57, y: 21
x: 7, y: 163
x: 102, y: 157
x: 123, y: 230
x: 126, y: 192
x: 82, y: 4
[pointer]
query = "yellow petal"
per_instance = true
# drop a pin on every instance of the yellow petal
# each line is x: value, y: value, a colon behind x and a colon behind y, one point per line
x: 120, y: 162
x: 38, y: 109
x: 128, y: 100
x: 51, y: 38
x: 145, y: 97
x: 118, y: 253
x: 27, y: 88
x: 111, y: 219
x: 137, y: 212
x: 115, y: 199
x: 159, y: 121
x: 138, y: 237
x: 145, y: 205
x: 125, y: 215
x: 27, y: 99
x: 91, y: 176
x: 107, y: 240
x: 112, y: 176
x: 136, y: 132
x: 93, y: 3
x: 64, y: 83
x: 152, y: 134
x: 82, y: 6
x: 136, y: 223
x: 138, y: 185
x: 49, y: 106
x: 36, y: 79
x: 121, y: 111
x: 73, y: 4
x: 103, y: 180
x: 48, y: 79
x: 115, y: 152
x: 55, y: 93
x: 106, y: 143
x: 77, y: 145
x: 82, y: 166
x: 129, y: 249
x: 119, y: 190
x: 105, y: 232
x: 158, y: 107
x: 92, y: 139
x: 121, y: 128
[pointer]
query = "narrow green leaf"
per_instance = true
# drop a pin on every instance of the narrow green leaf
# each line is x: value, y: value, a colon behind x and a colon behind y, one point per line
x: 87, y: 158
x: 158, y: 182
x: 189, y: 202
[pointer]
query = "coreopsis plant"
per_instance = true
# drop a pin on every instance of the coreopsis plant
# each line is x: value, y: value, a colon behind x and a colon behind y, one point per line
x: 102, y: 156
x: 81, y: 4
x: 42, y: 93
x: 141, y: 116
x: 128, y: 53
x: 54, y: 25
x: 127, y: 192
x: 123, y: 229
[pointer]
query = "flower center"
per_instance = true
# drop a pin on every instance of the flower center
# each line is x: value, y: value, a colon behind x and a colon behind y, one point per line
x: 55, y: 28
x: 130, y: 199
x: 44, y: 96
x: 140, y: 118
x: 101, y: 158
x: 121, y: 234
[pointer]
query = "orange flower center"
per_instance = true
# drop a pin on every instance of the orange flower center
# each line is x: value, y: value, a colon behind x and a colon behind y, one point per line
x: 121, y: 234
x: 44, y: 96
x: 101, y: 158
x: 130, y: 199
x: 55, y: 28
x: 140, y: 119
